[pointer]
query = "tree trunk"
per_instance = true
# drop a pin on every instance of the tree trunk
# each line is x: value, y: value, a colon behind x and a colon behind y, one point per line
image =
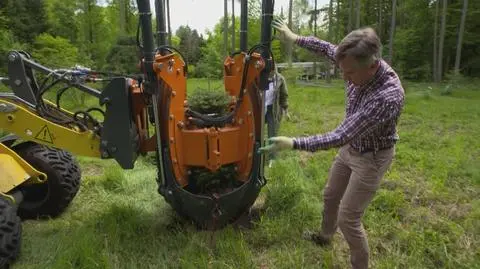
x: 315, y: 34
x: 336, y: 36
x: 121, y: 5
x: 350, y: 11
x: 233, y: 25
x: 447, y: 60
x: 315, y: 19
x: 380, y: 19
x: 225, y: 27
x: 168, y: 21
x: 337, y: 30
x: 392, y: 31
x: 290, y: 24
x: 358, y: 8
x: 442, y: 40
x: 435, y: 45
x: 89, y: 21
x: 330, y: 33
x: 460, y: 37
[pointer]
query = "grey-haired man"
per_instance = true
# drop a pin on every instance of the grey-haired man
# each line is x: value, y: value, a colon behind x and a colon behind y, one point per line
x: 366, y: 137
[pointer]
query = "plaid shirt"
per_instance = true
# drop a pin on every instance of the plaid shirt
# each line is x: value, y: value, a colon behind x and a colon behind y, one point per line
x: 372, y: 110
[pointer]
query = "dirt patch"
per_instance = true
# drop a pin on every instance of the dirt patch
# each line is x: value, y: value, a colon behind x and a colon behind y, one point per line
x: 248, y: 219
x: 390, y: 185
x: 304, y: 158
x: 453, y: 211
x: 92, y: 170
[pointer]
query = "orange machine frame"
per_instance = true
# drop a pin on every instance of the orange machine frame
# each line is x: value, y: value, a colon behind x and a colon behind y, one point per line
x: 203, y: 147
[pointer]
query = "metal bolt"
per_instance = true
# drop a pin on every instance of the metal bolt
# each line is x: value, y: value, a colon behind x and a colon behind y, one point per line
x: 12, y: 57
x: 171, y: 117
x: 7, y: 108
x: 180, y: 124
x: 29, y: 132
x: 105, y: 154
x: 10, y: 117
x: 18, y: 82
x: 113, y: 149
x: 174, y: 93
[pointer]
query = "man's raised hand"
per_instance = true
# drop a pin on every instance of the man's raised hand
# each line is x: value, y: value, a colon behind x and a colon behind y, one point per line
x: 283, y: 32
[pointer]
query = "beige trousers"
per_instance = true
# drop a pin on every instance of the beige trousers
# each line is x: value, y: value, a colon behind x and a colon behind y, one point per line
x: 353, y: 181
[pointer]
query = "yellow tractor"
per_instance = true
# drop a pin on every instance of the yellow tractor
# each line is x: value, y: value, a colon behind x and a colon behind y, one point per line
x: 147, y: 113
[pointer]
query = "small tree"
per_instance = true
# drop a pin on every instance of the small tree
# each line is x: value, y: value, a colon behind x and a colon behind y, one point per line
x: 202, y: 180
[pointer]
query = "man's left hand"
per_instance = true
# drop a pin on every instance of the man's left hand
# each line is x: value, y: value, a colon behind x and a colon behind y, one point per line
x: 277, y: 143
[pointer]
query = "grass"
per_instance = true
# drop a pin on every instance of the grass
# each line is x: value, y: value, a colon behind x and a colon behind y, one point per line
x: 425, y: 215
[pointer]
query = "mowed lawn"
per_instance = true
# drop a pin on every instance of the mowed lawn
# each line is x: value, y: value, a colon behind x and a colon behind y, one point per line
x: 426, y: 213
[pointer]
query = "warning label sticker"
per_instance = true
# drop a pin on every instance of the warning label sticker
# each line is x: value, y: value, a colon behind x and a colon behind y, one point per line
x: 44, y: 135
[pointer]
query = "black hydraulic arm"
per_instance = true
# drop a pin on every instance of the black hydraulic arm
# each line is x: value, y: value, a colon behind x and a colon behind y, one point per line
x: 243, y: 25
x: 150, y: 83
x: 161, y: 28
x: 267, y: 16
x: 148, y: 50
x: 22, y: 80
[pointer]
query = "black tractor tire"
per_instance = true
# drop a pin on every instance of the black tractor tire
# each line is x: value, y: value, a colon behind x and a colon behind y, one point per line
x: 51, y: 198
x: 10, y: 233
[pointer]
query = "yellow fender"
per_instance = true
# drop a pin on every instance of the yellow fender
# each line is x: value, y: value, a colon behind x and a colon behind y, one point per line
x: 15, y: 171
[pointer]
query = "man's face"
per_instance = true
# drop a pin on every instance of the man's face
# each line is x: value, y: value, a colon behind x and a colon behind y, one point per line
x: 355, y: 72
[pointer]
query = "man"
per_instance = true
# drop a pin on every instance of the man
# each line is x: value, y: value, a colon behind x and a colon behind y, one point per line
x: 276, y: 106
x: 366, y: 137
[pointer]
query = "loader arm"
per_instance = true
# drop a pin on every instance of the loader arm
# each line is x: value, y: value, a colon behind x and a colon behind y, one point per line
x: 28, y: 114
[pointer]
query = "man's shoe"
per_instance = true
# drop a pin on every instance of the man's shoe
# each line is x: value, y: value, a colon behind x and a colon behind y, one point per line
x: 317, y: 238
